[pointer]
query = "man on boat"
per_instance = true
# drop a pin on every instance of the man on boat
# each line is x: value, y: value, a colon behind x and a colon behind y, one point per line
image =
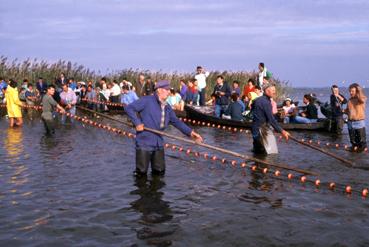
x: 155, y: 113
x: 222, y: 91
x: 201, y: 76
x: 263, y: 137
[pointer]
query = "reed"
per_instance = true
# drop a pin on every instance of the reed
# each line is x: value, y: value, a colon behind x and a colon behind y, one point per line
x: 31, y: 69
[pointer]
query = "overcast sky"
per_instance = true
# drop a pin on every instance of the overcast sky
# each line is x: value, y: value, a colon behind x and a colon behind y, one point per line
x: 308, y: 43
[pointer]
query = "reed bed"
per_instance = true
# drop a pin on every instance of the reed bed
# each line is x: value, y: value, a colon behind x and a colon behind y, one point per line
x: 32, y: 69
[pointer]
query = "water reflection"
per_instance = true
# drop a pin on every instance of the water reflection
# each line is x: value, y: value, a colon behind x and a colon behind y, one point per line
x: 14, y: 143
x: 150, y: 203
x: 155, y: 212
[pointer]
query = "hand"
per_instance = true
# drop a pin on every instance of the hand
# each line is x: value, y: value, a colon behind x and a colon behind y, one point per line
x: 285, y: 134
x: 140, y: 127
x: 222, y: 93
x: 62, y: 110
x: 196, y: 136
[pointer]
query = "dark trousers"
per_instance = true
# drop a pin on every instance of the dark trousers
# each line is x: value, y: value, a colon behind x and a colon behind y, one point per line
x: 337, y: 125
x: 258, y: 146
x: 144, y: 158
x: 202, y: 97
x: 49, y: 126
x: 358, y: 138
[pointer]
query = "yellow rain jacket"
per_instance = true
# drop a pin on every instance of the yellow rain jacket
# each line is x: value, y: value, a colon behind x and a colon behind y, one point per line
x: 13, y: 104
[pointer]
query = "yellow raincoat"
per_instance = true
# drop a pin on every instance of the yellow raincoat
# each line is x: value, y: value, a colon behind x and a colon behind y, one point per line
x: 13, y: 104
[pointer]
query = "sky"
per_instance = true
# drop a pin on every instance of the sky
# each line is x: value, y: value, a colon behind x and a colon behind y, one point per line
x: 307, y: 43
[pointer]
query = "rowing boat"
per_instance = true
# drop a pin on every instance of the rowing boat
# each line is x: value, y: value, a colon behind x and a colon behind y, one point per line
x: 205, y: 114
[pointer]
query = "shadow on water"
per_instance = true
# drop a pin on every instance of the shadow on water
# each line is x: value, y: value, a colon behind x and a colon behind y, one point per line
x: 155, y: 212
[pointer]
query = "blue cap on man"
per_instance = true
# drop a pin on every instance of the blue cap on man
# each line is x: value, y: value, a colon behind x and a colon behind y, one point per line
x: 163, y: 84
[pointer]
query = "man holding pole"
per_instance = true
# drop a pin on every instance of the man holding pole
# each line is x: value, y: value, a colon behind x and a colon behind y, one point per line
x: 154, y: 113
x: 262, y: 134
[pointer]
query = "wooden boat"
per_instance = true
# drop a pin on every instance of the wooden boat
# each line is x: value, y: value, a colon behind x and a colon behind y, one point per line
x: 205, y: 114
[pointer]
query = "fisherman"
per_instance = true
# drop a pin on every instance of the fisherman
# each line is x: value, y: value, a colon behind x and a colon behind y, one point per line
x: 155, y: 113
x: 48, y: 107
x: 336, y: 101
x: 356, y: 118
x: 263, y: 137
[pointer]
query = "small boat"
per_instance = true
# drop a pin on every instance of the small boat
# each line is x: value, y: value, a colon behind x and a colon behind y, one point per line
x: 205, y: 114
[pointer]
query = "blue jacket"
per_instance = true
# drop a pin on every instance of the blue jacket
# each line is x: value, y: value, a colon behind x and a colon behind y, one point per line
x: 262, y: 113
x: 235, y: 111
x: 149, y: 110
x: 224, y: 99
x: 128, y: 98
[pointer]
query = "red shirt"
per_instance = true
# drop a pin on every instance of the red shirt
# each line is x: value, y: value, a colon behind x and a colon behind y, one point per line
x: 247, y: 89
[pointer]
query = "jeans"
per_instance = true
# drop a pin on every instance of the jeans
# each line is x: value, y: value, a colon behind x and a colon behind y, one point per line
x: 71, y: 111
x: 304, y: 120
x: 202, y: 96
x: 219, y: 110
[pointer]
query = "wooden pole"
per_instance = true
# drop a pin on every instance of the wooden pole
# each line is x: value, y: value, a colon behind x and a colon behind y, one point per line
x: 348, y: 163
x: 245, y: 157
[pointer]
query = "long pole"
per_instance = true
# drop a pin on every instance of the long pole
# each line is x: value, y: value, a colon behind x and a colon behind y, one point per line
x: 245, y: 157
x: 347, y: 162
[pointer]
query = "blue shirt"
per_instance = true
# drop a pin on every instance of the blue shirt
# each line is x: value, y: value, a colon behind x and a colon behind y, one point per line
x: 262, y: 114
x: 128, y: 98
x: 149, y: 110
x: 235, y: 111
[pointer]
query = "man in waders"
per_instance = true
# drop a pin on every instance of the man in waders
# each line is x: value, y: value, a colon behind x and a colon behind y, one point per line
x: 48, y: 107
x: 154, y: 112
x: 263, y: 119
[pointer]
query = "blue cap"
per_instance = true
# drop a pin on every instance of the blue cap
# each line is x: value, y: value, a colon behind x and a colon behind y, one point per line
x: 162, y: 84
x: 3, y: 85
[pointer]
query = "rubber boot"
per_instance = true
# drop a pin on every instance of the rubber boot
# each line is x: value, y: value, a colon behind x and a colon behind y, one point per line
x: 362, y: 143
x: 352, y: 139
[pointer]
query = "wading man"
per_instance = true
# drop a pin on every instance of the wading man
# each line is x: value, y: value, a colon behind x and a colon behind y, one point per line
x: 48, y: 107
x: 262, y: 134
x: 156, y: 114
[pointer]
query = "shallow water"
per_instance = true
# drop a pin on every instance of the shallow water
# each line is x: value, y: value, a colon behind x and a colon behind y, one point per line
x: 77, y: 189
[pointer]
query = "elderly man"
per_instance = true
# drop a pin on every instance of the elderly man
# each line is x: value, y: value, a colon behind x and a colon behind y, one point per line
x: 263, y: 137
x: 156, y: 114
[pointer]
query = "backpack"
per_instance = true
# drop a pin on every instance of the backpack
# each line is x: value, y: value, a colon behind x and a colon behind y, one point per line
x: 268, y: 74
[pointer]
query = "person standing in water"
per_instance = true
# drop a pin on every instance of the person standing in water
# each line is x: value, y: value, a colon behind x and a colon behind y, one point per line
x: 356, y: 117
x: 48, y: 108
x: 155, y: 113
x: 13, y: 104
x: 263, y: 137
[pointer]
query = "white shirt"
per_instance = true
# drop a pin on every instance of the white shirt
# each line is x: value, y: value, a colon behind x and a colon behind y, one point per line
x: 262, y: 74
x: 115, y: 90
x: 201, y: 80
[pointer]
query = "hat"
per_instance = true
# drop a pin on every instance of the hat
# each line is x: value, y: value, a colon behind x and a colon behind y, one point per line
x: 163, y: 84
x: 3, y: 85
x: 267, y: 85
x: 82, y: 82
x: 288, y: 99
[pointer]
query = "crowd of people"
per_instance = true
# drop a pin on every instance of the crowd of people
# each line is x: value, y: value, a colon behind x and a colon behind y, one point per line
x: 228, y: 101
